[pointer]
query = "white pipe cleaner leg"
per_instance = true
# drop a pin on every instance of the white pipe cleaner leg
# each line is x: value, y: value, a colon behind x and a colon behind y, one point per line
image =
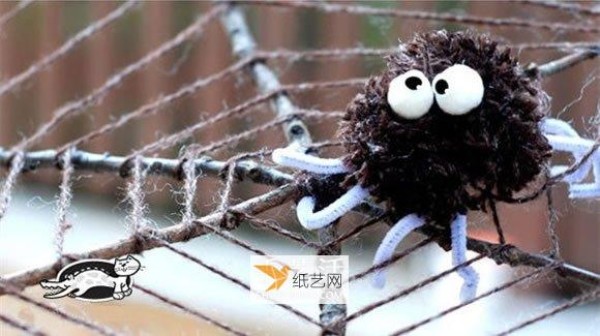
x: 563, y: 137
x: 394, y: 236
x: 588, y: 190
x: 558, y: 127
x: 316, y: 220
x: 470, y: 277
x: 296, y: 158
x: 570, y: 144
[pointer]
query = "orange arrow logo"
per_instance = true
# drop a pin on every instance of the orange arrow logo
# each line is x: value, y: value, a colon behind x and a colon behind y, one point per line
x: 279, y: 276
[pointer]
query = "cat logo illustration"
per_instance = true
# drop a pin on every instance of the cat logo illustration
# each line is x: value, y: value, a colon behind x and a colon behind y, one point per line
x: 94, y: 280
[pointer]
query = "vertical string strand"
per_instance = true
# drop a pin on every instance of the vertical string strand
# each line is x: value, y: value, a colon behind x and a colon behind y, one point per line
x: 189, y: 188
x: 228, y: 189
x: 552, y: 225
x: 64, y: 200
x: 135, y: 193
x: 16, y: 165
x: 497, y: 224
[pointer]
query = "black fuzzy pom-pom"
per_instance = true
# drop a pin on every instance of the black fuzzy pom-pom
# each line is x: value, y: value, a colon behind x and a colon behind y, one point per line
x: 439, y: 165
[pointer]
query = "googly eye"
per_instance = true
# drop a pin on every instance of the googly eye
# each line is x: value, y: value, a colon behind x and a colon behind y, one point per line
x: 458, y: 89
x: 410, y: 95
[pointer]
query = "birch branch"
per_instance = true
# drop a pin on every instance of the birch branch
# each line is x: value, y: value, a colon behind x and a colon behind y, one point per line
x: 243, y: 45
x: 564, y: 63
x: 106, y: 163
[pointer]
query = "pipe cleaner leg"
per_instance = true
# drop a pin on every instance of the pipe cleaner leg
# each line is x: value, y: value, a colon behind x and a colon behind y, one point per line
x: 316, y: 220
x: 558, y: 127
x: 557, y: 131
x: 562, y: 137
x: 394, y: 236
x: 296, y: 158
x: 588, y: 190
x: 578, y: 147
x: 570, y: 144
x: 459, y: 256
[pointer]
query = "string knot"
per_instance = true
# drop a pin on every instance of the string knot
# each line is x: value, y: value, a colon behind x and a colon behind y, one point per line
x: 142, y: 238
x: 231, y: 219
x: 126, y: 167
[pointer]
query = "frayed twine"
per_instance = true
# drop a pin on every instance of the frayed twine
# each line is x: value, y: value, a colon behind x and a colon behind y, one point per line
x: 64, y: 199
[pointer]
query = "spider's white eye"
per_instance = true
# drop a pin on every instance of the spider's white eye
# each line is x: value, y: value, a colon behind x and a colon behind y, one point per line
x: 458, y: 89
x: 410, y: 95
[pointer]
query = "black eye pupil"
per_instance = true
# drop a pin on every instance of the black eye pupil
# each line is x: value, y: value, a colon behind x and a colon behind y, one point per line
x: 413, y: 82
x: 441, y: 86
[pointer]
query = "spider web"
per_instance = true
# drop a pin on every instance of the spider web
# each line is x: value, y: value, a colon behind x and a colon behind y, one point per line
x: 272, y: 110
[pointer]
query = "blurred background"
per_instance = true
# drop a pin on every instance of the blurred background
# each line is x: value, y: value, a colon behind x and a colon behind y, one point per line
x: 98, y: 212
